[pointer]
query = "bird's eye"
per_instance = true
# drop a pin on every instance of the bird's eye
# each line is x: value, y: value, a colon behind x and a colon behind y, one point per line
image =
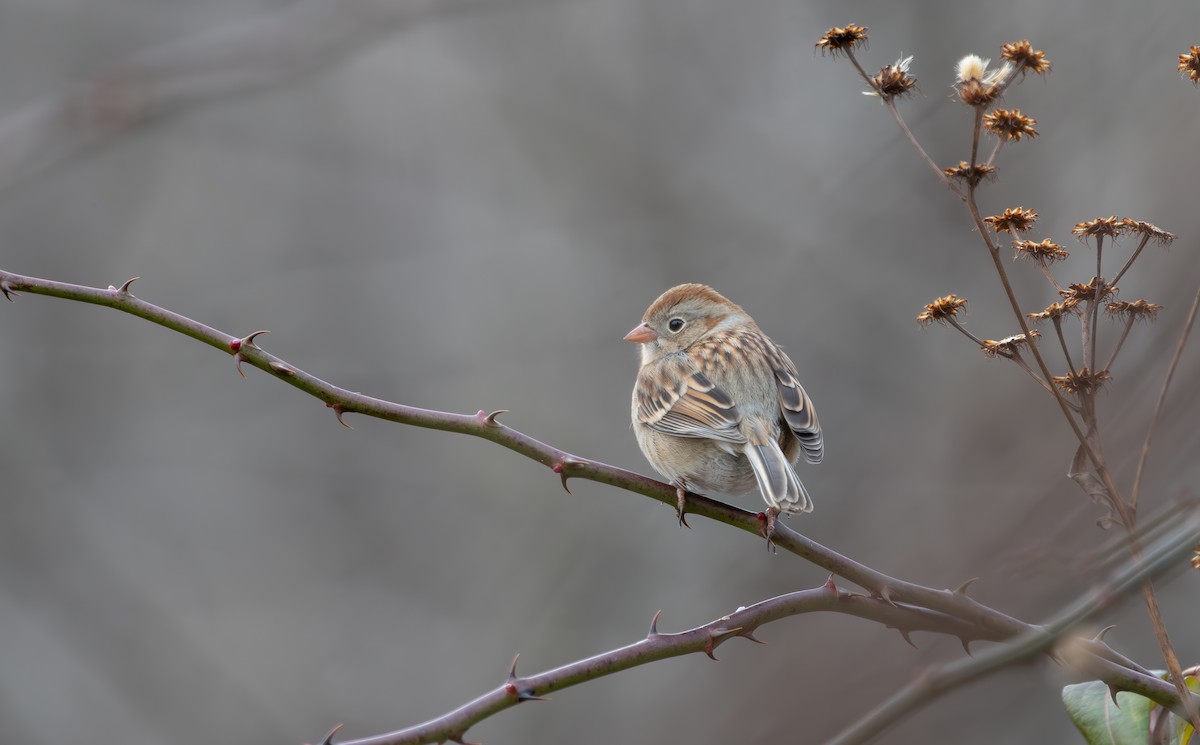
x: 675, y: 325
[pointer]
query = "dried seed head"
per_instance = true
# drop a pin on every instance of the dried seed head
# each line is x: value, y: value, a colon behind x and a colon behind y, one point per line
x: 1139, y: 227
x: 1055, y: 310
x: 1189, y: 65
x: 971, y: 174
x: 1046, y: 252
x: 975, y: 84
x: 1097, y: 289
x: 977, y: 93
x: 893, y: 81
x: 1007, y: 346
x: 1016, y: 219
x: 1024, y: 56
x: 941, y: 310
x: 1111, y: 226
x: 971, y: 67
x: 1010, y: 125
x: 841, y: 40
x: 1138, y: 310
x: 1083, y: 381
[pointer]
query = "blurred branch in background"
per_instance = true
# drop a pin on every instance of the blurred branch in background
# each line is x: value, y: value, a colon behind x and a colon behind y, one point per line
x: 301, y: 38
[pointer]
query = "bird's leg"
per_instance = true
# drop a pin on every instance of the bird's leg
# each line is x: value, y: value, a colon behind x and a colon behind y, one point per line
x: 681, y: 503
x: 769, y: 517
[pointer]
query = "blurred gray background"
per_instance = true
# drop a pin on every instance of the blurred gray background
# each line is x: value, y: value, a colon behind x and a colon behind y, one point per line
x: 466, y: 209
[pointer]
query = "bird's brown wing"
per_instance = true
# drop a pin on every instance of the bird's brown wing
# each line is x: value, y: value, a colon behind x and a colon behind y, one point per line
x: 798, y: 409
x: 675, y: 398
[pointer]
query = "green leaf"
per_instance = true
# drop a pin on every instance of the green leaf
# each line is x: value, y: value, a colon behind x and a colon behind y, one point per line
x: 1100, y: 721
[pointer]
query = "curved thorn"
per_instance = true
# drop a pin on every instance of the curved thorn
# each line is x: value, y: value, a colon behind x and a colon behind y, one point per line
x: 750, y: 635
x: 125, y: 291
x: 654, y: 624
x: 1100, y: 636
x: 904, y: 633
x: 512, y: 670
x: 248, y: 341
x: 725, y: 634
x: 962, y: 589
x: 715, y: 640
x: 830, y: 584
x: 237, y: 363
x: 560, y: 469
x: 966, y: 645
x: 490, y: 419
x: 338, y: 410
x: 328, y: 738
x: 1112, y: 692
x: 9, y: 292
x: 885, y: 594
x: 280, y: 369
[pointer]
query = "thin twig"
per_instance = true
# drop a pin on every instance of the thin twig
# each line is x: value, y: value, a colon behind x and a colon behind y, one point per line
x: 1049, y: 275
x: 1162, y: 397
x: 1132, y: 258
x: 954, y: 322
x: 1094, y: 304
x: 891, y: 106
x: 1062, y: 341
x: 995, y: 151
x: 1108, y: 366
x: 1020, y: 362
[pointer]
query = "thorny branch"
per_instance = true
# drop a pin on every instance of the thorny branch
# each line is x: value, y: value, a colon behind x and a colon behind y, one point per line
x: 659, y: 646
x: 916, y: 606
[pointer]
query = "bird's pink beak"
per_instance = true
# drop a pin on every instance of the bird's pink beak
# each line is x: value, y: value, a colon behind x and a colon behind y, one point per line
x: 642, y: 334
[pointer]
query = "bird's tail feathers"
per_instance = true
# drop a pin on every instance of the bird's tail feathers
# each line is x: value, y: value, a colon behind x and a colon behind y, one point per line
x: 777, y: 479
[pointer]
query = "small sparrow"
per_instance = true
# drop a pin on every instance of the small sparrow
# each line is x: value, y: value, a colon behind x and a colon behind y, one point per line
x: 716, y: 406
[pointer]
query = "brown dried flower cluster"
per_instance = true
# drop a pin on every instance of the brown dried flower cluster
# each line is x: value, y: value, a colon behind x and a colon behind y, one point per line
x: 1046, y: 252
x: 1011, y: 125
x: 1084, y: 381
x: 1016, y: 219
x: 1114, y: 227
x: 1196, y: 557
x: 971, y: 174
x: 1022, y: 54
x: 1055, y: 310
x: 1007, y: 346
x: 1189, y: 65
x: 976, y: 92
x: 941, y: 309
x: 1136, y: 310
x: 1111, y: 226
x: 1097, y: 289
x: 840, y: 40
x: 893, y: 81
x: 1140, y: 227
